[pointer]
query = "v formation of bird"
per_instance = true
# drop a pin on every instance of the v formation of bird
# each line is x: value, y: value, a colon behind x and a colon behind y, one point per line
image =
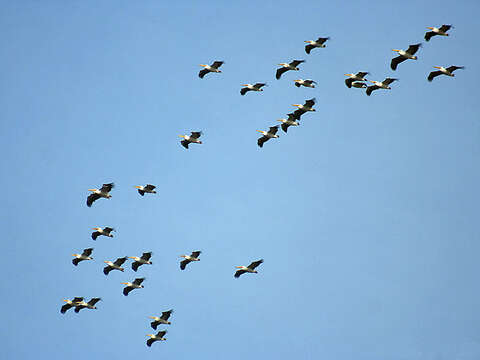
x: 357, y: 80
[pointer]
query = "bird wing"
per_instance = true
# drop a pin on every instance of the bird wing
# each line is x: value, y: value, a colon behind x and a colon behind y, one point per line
x: 349, y: 82
x: 361, y: 74
x: 195, y: 254
x: 388, y: 81
x: 150, y: 187
x: 184, y: 263
x: 297, y: 113
x: 87, y: 252
x: 397, y: 60
x: 217, y: 64
x: 65, y: 307
x: 95, y: 234
x: 371, y: 88
x: 310, y: 82
x: 79, y: 307
x: 195, y: 134
x: 166, y: 314
x: 445, y: 28
x: 107, y: 269
x: 126, y: 290
x: 108, y: 230
x: 259, y: 85
x: 161, y: 333
x: 453, y: 68
x: 76, y: 261
x: 280, y: 71
x: 77, y: 300
x: 291, y: 117
x: 135, y: 265
x: 141, y: 192
x: 138, y: 281
x: 146, y: 256
x: 154, y: 324
x: 433, y: 74
x: 428, y: 35
x: 310, y: 102
x: 93, y: 301
x: 185, y: 143
x: 261, y: 141
x: 309, y: 48
x: 244, y: 90
x: 285, y: 127
x: 238, y: 273
x: 296, y: 62
x: 412, y: 49
x: 254, y: 264
x: 107, y: 187
x: 273, y: 130
x: 120, y: 261
x: 92, y: 198
x: 202, y: 73
x: 321, y: 40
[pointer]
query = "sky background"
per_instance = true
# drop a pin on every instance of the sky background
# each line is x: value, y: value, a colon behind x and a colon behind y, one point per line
x: 366, y: 214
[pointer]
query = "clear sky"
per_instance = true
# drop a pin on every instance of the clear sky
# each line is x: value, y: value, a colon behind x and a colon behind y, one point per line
x: 366, y: 214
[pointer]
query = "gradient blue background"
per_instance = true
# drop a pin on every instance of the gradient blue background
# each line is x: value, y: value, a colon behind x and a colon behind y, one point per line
x: 366, y: 214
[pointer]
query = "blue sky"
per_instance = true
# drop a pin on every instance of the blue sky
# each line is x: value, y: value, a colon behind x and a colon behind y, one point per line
x: 366, y: 214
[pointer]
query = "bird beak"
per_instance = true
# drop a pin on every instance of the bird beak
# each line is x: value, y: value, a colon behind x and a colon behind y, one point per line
x: 203, y: 65
x: 149, y: 335
x: 306, y: 41
x: 373, y: 82
x: 395, y: 50
x: 182, y: 136
x: 91, y: 189
x: 124, y: 283
x: 244, y: 84
x: 137, y: 187
x: 260, y: 131
x: 295, y: 105
x: 131, y: 257
x: 151, y: 317
x: 348, y: 74
x: 431, y: 28
x: 238, y: 267
x: 105, y: 261
x: 437, y: 67
x: 95, y: 228
x: 65, y: 300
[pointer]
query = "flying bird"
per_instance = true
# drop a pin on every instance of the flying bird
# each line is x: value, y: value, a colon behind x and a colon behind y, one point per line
x: 319, y: 43
x: 158, y: 337
x: 444, y: 71
x: 136, y: 284
x: 302, y: 109
x: 189, y: 258
x: 442, y: 31
x: 193, y: 138
x: 291, y: 121
x: 87, y: 305
x: 149, y: 189
x: 286, y: 67
x: 139, y: 261
x: 162, y: 320
x: 267, y: 135
x: 96, y: 194
x: 360, y: 76
x: 106, y: 231
x: 307, y: 83
x: 210, y: 68
x: 250, y: 268
x: 70, y: 303
x: 380, y: 85
x: 250, y: 87
x: 404, y: 55
x: 116, y: 265
x: 83, y: 256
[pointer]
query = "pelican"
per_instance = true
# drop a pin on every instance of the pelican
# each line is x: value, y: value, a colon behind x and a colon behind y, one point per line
x: 210, y: 68
x: 87, y: 305
x: 139, y: 261
x: 288, y: 122
x: 315, y: 44
x: 442, y: 31
x: 380, y: 85
x: 116, y: 265
x: 70, y: 303
x: 189, y: 258
x: 136, y: 284
x: 159, y: 337
x: 83, y: 256
x: 302, y: 109
x: 444, y: 71
x: 150, y: 189
x: 106, y: 231
x: 250, y: 268
x: 285, y: 67
x: 404, y: 55
x: 270, y: 134
x: 250, y: 87
x: 102, y: 193
x: 307, y: 83
x: 160, y: 320
x: 193, y: 138
x: 359, y: 85
x: 360, y: 76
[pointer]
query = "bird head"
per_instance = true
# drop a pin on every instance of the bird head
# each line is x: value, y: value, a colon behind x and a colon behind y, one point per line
x: 98, y: 229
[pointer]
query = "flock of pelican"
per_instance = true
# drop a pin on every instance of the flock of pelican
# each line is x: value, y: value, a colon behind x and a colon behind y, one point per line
x: 357, y: 80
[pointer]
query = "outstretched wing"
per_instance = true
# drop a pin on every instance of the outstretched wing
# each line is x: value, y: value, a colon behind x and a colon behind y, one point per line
x: 126, y: 290
x: 95, y: 234
x: 120, y: 261
x: 412, y: 49
x: 285, y: 127
x: 453, y: 68
x: 254, y: 264
x: 217, y: 64
x: 154, y: 325
x: 297, y: 113
x: 135, y: 265
x: 280, y: 71
x: 196, y: 254
x: 244, y: 90
x: 87, y: 252
x: 433, y: 74
x: 321, y: 40
x: 445, y: 28
x: 141, y: 192
x: 150, y: 187
x: 107, y: 269
x: 262, y: 140
x: 138, y: 281
x: 202, y: 73
x: 161, y: 333
x: 166, y: 314
x: 150, y: 342
x: 388, y: 81
x: 428, y: 35
x: 195, y: 134
x: 76, y: 261
x: 238, y: 273
x: 184, y: 263
x: 361, y: 74
x: 273, y: 130
x: 65, y: 307
x: 108, y: 229
x: 93, y: 301
x: 349, y: 82
x: 309, y: 48
x: 185, y: 143
x: 310, y: 102
x: 146, y: 256
x: 296, y: 62
x: 107, y: 187
x: 371, y: 88
x: 92, y: 198
x: 259, y: 85
x: 397, y: 60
